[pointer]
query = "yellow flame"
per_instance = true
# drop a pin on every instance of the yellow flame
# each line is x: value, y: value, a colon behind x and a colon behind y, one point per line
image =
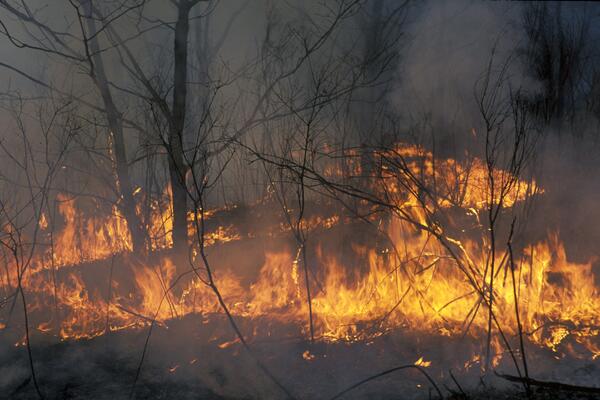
x: 412, y: 283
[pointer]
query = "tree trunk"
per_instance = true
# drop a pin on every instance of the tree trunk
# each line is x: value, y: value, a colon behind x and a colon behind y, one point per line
x: 177, y: 168
x: 366, y: 113
x: 115, y: 124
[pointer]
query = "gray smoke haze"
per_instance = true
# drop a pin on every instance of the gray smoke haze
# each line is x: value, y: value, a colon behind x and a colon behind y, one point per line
x: 450, y: 47
x: 442, y: 57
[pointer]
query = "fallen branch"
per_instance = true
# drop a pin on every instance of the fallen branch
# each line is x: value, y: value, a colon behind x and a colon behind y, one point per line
x: 550, y: 384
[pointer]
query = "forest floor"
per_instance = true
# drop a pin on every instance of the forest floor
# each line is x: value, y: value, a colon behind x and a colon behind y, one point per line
x: 197, y: 358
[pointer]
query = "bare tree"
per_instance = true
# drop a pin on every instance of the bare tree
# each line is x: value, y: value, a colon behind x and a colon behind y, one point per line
x: 21, y: 211
x: 510, y: 141
x: 408, y: 185
x: 46, y: 40
x: 556, y: 55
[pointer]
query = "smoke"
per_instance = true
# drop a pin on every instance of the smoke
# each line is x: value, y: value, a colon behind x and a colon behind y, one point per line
x: 450, y: 48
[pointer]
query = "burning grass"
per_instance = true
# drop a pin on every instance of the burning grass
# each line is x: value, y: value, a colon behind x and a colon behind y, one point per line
x: 372, y: 278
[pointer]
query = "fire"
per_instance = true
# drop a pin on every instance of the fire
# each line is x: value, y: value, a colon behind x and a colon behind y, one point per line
x: 225, y: 345
x: 88, y: 238
x: 308, y: 356
x: 412, y: 283
x: 422, y: 363
x: 43, y: 222
x: 98, y: 236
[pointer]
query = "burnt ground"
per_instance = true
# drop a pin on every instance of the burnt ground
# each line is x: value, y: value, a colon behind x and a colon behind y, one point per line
x: 197, y: 358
